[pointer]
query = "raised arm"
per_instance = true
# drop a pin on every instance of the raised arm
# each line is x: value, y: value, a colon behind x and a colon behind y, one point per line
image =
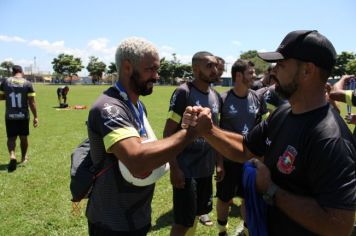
x: 229, y: 144
x: 338, y: 92
x: 140, y: 158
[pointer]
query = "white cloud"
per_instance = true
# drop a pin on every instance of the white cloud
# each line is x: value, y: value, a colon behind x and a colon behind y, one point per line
x: 98, y: 44
x: 16, y: 39
x: 166, y: 48
x: 56, y: 47
x: 24, y: 62
x: 8, y: 59
x: 230, y: 59
x: 236, y: 42
x: 167, y: 51
x: 96, y: 47
x: 186, y: 59
x: 99, y: 48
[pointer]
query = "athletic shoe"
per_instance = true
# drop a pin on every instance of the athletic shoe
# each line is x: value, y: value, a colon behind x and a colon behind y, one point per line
x: 205, y: 220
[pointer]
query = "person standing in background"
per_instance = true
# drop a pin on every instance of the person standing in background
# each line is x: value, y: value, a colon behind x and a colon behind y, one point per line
x: 19, y: 95
x: 192, y: 170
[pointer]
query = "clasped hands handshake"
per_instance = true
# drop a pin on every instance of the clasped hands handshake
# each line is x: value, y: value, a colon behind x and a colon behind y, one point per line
x: 198, y: 119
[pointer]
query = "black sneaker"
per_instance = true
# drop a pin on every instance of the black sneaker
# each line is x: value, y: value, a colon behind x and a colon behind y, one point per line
x: 12, y: 165
x: 223, y: 233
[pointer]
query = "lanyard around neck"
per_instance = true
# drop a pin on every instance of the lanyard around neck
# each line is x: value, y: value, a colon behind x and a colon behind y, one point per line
x: 137, y: 112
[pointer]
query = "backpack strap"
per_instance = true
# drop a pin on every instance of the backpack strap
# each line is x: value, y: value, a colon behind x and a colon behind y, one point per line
x: 103, y: 170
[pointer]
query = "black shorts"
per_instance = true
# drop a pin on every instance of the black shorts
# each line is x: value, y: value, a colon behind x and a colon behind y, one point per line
x: 231, y: 185
x: 194, y: 200
x: 98, y: 230
x: 61, y: 94
x: 16, y: 128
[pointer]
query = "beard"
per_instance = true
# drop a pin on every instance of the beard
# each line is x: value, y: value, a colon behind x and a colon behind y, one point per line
x: 139, y: 86
x: 247, y: 82
x: 286, y: 91
x: 207, y: 79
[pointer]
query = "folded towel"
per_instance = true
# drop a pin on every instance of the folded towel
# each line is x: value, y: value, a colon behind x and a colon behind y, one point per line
x: 256, y: 208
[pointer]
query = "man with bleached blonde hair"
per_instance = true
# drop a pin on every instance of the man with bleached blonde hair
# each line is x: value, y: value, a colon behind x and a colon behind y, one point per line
x: 123, y: 142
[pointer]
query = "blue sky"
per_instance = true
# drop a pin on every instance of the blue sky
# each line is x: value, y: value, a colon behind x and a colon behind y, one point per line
x: 42, y: 29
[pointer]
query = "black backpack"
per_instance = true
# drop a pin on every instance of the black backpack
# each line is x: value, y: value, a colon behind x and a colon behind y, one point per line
x: 83, y: 172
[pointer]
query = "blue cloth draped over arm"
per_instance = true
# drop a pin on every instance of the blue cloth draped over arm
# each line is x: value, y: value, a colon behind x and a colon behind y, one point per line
x: 256, y: 208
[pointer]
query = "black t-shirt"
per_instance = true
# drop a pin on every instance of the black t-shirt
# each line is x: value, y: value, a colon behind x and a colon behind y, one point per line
x: 197, y: 160
x: 241, y: 114
x: 310, y: 154
x: 16, y: 91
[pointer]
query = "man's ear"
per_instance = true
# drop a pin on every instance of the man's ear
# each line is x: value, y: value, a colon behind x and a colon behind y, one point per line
x: 309, y: 69
x: 127, y: 67
x: 195, y: 69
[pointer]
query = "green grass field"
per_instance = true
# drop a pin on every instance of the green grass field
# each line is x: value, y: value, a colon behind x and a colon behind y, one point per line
x: 35, y: 199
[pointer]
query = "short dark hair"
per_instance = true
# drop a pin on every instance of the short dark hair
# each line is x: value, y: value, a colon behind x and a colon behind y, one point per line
x: 240, y: 66
x: 219, y: 59
x: 16, y: 69
x: 199, y: 56
x: 324, y: 74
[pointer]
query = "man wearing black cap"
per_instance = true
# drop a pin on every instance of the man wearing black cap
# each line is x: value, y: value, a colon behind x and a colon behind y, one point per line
x: 307, y: 176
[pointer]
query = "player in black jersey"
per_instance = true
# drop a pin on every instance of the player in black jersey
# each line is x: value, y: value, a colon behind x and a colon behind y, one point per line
x: 120, y: 136
x: 242, y: 109
x: 19, y: 95
x: 205, y: 219
x: 307, y: 176
x: 193, y: 168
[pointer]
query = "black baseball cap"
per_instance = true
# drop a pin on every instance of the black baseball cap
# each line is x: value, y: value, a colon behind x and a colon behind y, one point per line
x: 304, y: 45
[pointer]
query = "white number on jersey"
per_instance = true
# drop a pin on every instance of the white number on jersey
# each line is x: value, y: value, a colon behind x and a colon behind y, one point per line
x: 15, y: 98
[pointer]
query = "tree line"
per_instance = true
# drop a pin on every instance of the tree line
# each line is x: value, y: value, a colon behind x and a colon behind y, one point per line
x: 171, y: 71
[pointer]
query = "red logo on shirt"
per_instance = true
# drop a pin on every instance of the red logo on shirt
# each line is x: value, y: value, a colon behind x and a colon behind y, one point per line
x: 286, y: 161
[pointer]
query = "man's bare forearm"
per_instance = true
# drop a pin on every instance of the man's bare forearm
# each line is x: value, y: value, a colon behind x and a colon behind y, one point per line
x: 308, y: 213
x: 229, y: 144
x: 32, y: 105
x: 143, y: 157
